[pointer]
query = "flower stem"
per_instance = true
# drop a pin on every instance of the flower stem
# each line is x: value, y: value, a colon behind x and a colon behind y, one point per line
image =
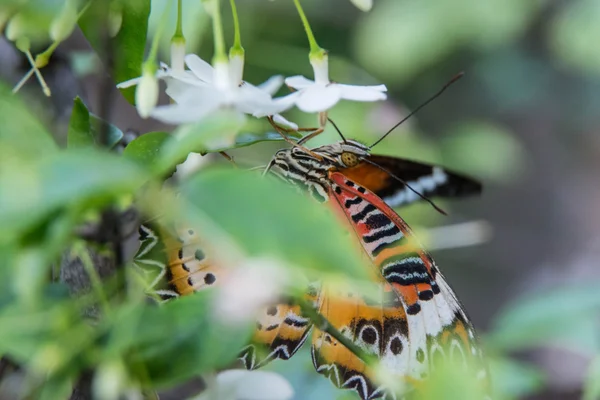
x: 156, y: 39
x: 220, y: 54
x: 179, y: 26
x: 324, y: 325
x: 315, y: 50
x: 237, y: 48
x: 38, y: 74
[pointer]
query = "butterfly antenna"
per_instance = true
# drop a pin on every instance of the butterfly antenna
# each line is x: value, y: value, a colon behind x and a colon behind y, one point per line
x: 454, y: 79
x: 438, y: 209
x: 337, y: 129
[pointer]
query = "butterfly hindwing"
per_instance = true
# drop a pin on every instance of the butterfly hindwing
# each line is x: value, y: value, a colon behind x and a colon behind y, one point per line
x: 174, y: 263
x: 281, y: 330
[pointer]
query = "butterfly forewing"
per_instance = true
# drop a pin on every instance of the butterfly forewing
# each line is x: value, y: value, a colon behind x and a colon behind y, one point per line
x: 434, y: 318
x: 426, y: 179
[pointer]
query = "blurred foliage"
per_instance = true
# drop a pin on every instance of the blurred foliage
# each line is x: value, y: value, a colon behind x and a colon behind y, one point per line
x: 47, y: 194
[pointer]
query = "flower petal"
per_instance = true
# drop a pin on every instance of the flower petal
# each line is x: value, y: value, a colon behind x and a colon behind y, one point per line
x: 278, y: 118
x: 176, y: 114
x: 298, y: 82
x: 277, y: 105
x: 256, y: 385
x: 271, y: 85
x: 129, y: 83
x: 200, y: 68
x: 319, y: 98
x: 363, y: 93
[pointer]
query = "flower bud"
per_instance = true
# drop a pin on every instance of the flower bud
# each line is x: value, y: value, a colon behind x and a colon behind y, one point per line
x: 363, y: 5
x: 146, y: 93
x: 109, y: 381
x: 16, y: 27
x: 64, y: 23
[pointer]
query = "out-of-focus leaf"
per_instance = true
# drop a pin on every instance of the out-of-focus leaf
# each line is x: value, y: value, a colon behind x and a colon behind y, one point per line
x: 248, y: 139
x: 388, y: 47
x: 512, y: 379
x: 85, y: 128
x: 215, y: 131
x: 22, y: 134
x: 97, y: 125
x: 129, y: 43
x: 186, y: 330
x: 79, y: 134
x: 56, y: 388
x: 485, y: 151
x: 451, y: 380
x: 28, y: 330
x: 145, y: 149
x: 267, y: 217
x: 570, y: 33
x: 592, y: 383
x: 548, y: 316
x: 67, y: 178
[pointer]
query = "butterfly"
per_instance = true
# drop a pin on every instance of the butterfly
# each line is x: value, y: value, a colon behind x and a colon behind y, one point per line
x: 414, y: 315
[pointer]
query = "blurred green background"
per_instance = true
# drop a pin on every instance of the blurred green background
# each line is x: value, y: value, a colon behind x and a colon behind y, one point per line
x: 524, y: 120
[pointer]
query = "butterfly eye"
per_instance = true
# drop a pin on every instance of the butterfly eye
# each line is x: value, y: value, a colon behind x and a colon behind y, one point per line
x: 349, y: 159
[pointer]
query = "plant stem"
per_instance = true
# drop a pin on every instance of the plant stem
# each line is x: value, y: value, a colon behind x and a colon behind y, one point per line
x: 323, y: 324
x: 179, y: 26
x: 237, y: 38
x: 220, y: 54
x: 315, y: 50
x: 95, y: 282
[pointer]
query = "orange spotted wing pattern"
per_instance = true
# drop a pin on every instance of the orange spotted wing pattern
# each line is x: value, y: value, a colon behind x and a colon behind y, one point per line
x: 417, y: 316
x: 414, y: 315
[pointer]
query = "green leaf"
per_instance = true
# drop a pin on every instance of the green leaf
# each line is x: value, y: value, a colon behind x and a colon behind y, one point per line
x: 79, y: 134
x: 131, y: 19
x: 22, y: 134
x: 215, y: 131
x: 491, y: 151
x: 85, y: 128
x: 514, y: 379
x: 114, y: 134
x: 146, y: 148
x: 569, y: 36
x: 561, y: 314
x: 269, y: 218
x: 72, y: 177
x: 248, y: 139
x: 186, y: 329
x: 592, y: 383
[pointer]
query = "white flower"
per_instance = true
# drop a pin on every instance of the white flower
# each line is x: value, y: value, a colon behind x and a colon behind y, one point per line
x: 321, y: 94
x: 254, y: 285
x: 238, y: 384
x: 203, y: 89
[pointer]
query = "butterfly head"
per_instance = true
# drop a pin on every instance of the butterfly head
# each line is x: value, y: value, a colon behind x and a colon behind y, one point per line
x: 345, y: 154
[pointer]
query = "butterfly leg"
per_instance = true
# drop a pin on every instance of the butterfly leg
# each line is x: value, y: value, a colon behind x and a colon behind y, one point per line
x: 285, y: 137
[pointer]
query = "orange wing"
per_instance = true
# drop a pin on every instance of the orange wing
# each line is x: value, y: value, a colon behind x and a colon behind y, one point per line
x: 429, y: 180
x: 417, y: 316
x: 175, y: 264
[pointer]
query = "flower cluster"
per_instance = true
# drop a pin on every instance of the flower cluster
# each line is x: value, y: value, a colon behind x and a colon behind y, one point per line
x: 202, y: 88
